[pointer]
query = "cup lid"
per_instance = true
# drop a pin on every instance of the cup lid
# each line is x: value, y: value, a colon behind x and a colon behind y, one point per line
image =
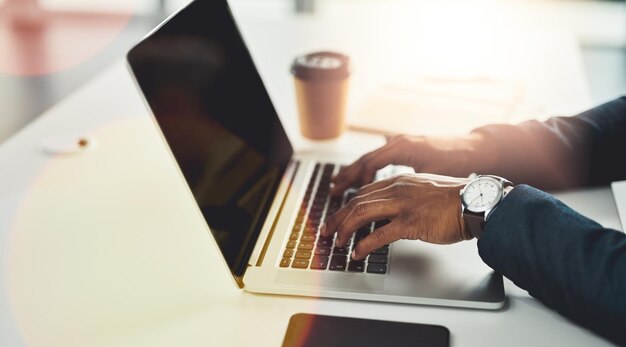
x: 321, y: 65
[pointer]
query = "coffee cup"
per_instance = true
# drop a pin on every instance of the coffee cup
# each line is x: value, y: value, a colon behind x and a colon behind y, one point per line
x: 321, y: 82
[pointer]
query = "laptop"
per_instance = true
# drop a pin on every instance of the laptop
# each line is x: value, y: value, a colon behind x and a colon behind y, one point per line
x: 263, y: 203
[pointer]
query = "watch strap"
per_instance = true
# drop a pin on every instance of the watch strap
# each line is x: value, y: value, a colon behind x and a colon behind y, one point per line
x: 474, y: 223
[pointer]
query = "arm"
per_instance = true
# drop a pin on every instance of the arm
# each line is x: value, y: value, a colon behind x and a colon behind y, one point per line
x: 562, y: 152
x: 567, y: 261
x: 564, y: 259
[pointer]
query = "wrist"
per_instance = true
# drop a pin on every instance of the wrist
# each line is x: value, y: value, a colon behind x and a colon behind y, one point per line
x: 465, y: 233
x: 479, y: 199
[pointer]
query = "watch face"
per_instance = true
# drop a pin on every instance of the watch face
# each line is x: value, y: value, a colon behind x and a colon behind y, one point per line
x: 482, y: 194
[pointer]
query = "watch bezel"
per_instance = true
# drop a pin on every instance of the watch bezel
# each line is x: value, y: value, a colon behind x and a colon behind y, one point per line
x: 487, y: 207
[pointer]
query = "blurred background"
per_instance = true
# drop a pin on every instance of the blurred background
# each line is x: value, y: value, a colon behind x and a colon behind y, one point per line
x: 50, y: 48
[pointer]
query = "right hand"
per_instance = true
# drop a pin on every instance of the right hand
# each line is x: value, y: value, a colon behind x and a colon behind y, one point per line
x: 451, y: 156
x: 418, y: 207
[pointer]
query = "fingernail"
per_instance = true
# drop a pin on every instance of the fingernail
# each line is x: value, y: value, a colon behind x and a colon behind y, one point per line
x: 352, y: 255
x: 323, y: 229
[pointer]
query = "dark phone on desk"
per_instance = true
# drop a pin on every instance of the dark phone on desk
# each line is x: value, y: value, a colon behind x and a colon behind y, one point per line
x: 309, y: 330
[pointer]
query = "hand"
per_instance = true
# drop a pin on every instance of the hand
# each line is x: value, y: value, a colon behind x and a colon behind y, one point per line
x: 452, y: 156
x: 419, y: 207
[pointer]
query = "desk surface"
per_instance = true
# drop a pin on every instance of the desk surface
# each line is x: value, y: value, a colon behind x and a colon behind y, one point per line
x: 103, y: 248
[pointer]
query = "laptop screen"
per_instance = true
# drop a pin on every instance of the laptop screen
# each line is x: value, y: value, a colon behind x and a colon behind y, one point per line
x: 217, y: 118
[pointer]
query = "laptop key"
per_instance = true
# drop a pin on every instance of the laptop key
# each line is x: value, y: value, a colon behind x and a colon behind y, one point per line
x: 377, y: 259
x: 292, y: 244
x: 315, y: 214
x: 307, y: 246
x: 337, y: 263
x: 285, y: 262
x: 317, y: 208
x: 356, y: 266
x: 382, y: 251
x: 325, y: 242
x: 294, y: 236
x: 319, y: 262
x: 308, y: 229
x: 307, y: 237
x: 303, y: 254
x: 288, y: 253
x: 300, y: 263
x: 319, y: 202
x: 322, y: 251
x: 340, y: 250
x: 324, y: 190
x: 376, y: 268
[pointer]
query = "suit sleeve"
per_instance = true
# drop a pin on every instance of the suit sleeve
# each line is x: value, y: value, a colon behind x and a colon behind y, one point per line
x: 569, y: 262
x: 563, y: 152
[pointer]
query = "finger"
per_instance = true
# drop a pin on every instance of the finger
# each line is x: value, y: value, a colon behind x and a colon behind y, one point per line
x: 378, y: 161
x: 354, y: 173
x: 350, y: 175
x: 332, y: 223
x: 390, y: 138
x: 363, y: 213
x: 344, y: 178
x: 378, y: 238
x: 354, y: 169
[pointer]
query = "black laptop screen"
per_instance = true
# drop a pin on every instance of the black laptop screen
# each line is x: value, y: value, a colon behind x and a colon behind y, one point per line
x: 210, y: 103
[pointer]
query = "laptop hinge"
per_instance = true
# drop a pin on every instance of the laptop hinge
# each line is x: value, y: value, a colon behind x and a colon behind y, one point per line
x: 239, y: 281
x: 276, y: 217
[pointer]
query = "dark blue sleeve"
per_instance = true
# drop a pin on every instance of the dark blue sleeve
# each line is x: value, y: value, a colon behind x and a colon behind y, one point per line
x: 563, y: 152
x: 569, y: 262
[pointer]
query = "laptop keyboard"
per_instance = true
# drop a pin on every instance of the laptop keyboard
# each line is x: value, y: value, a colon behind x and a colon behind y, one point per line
x: 306, y: 249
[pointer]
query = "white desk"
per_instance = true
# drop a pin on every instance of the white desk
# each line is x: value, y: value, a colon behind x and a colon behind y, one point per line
x: 104, y: 248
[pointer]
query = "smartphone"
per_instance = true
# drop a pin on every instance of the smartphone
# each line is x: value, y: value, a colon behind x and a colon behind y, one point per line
x: 310, y: 330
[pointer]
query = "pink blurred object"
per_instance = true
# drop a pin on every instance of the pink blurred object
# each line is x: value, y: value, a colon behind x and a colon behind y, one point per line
x: 35, y: 41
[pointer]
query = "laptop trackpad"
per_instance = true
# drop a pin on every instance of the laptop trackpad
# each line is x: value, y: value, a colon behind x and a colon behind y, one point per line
x: 358, y: 282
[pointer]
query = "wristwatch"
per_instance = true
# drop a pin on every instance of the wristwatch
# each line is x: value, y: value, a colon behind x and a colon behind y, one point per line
x: 479, y: 199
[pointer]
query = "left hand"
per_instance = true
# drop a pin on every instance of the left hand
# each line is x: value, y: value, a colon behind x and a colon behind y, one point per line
x: 419, y: 207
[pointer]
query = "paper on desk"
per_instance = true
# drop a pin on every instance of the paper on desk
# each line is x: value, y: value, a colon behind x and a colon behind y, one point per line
x: 437, y: 106
x: 619, y: 193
